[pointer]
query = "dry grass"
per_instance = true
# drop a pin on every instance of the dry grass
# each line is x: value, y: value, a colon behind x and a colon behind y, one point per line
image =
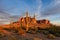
x: 51, y: 36
x: 1, y: 34
x: 22, y: 32
x: 36, y: 38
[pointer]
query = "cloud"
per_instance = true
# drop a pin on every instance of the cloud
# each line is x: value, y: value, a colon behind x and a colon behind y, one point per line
x: 15, y: 17
x: 56, y: 22
x: 4, y: 15
x: 45, y: 12
x: 57, y: 2
x: 38, y: 8
x: 5, y: 18
x: 49, y: 12
x: 52, y: 10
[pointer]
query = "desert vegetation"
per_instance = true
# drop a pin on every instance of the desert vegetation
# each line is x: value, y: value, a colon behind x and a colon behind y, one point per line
x: 13, y: 33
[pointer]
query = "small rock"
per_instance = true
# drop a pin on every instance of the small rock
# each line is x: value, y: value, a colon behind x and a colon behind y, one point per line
x: 51, y: 36
x: 37, y: 38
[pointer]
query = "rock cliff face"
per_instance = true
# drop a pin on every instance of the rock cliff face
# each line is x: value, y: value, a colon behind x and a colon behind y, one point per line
x: 31, y: 22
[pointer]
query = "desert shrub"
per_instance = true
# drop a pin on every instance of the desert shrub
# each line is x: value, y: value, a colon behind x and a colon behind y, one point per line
x: 57, y: 34
x: 51, y: 36
x: 29, y: 31
x: 45, y: 32
x: 55, y: 30
x: 36, y: 38
x: 33, y: 32
x: 11, y: 38
x: 42, y: 31
x: 7, y: 29
x: 2, y: 34
x: 21, y: 32
x: 15, y: 29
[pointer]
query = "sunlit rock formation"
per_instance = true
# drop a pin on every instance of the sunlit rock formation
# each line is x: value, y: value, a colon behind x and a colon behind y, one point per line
x: 30, y: 22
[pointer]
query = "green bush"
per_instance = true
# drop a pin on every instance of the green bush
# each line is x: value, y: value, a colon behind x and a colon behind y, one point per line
x: 45, y: 32
x: 55, y: 30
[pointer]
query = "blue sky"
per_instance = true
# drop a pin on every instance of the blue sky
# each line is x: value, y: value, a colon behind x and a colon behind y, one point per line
x: 44, y: 9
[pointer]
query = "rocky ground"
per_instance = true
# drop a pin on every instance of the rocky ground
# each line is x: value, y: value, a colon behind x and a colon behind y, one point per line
x: 10, y: 35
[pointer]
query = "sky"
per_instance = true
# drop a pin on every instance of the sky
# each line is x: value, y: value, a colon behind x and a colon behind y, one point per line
x: 12, y: 10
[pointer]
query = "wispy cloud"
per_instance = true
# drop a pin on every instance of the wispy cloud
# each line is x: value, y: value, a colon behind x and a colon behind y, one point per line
x: 50, y: 11
x: 5, y: 18
x: 57, y: 2
x: 38, y: 8
x: 54, y: 9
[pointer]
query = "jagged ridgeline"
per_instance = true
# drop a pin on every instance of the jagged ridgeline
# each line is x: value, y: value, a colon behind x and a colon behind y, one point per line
x: 29, y: 22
